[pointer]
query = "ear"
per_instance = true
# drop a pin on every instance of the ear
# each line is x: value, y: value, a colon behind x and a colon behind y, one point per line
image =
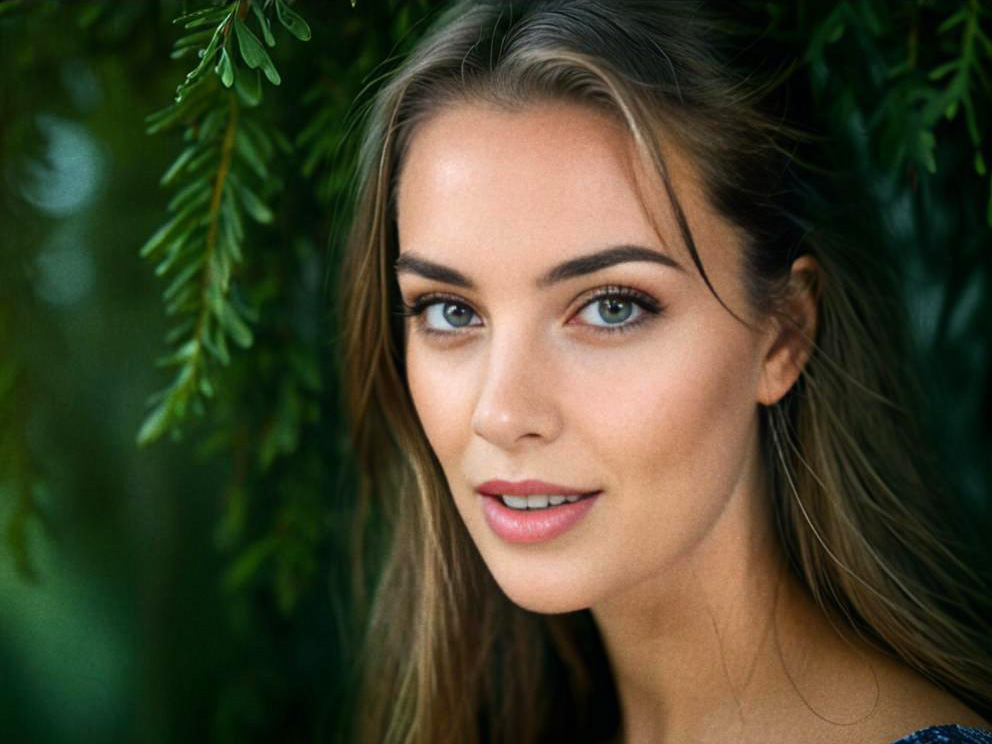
x: 789, y: 339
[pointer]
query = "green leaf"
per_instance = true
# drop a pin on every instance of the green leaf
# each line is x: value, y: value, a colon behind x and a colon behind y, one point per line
x: 197, y: 191
x: 177, y: 250
x: 204, y: 161
x: 183, y: 354
x: 256, y: 207
x: 951, y: 22
x: 183, y: 277
x: 155, y: 424
x: 169, y: 231
x: 253, y: 53
x: 260, y: 138
x: 198, y: 38
x: 224, y: 69
x: 943, y: 70
x: 240, y: 333
x: 244, y: 147
x: 263, y: 23
x: 979, y: 163
x: 228, y: 241
x: 225, y: 355
x: 183, y: 302
x: 179, y: 330
x: 231, y: 226
x: 293, y: 22
x: 184, y: 157
x: 204, y: 15
x: 251, y: 48
x: 252, y: 204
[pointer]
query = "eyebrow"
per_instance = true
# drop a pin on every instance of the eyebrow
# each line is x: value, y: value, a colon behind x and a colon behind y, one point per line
x: 590, y: 263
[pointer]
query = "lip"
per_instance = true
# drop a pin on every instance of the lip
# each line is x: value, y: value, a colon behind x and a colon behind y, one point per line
x: 533, y: 525
x: 528, y: 488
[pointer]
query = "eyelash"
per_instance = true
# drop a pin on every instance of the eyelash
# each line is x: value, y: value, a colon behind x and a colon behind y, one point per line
x: 647, y: 303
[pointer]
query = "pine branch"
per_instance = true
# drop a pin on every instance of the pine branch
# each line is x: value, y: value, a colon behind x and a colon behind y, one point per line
x: 224, y: 174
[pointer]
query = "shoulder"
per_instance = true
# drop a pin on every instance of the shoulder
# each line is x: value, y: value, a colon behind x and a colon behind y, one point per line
x: 948, y: 734
x: 913, y: 710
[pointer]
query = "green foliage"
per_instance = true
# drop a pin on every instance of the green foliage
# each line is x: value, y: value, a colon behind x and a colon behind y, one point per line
x: 223, y: 173
x: 921, y: 63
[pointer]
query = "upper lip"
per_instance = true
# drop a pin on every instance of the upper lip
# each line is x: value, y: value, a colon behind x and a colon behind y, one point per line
x: 528, y: 488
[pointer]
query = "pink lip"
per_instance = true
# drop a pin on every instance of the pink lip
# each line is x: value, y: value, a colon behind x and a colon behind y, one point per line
x: 537, y: 525
x: 528, y: 488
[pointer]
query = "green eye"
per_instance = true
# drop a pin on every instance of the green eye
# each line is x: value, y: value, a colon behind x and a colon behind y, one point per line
x: 611, y: 309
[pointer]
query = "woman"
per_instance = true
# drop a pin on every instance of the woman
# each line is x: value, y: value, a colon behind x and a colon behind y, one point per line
x: 631, y: 420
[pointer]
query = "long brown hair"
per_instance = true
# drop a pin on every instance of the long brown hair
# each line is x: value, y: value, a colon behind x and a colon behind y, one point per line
x: 446, y: 656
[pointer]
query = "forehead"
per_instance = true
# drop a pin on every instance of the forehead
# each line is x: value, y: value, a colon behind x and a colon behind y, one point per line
x: 545, y: 181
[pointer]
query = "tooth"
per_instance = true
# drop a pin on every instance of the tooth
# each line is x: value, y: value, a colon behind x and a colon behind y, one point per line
x: 537, y: 501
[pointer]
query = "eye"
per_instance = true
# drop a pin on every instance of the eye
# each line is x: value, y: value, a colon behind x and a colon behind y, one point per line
x: 454, y: 314
x: 614, y: 306
x: 439, y: 315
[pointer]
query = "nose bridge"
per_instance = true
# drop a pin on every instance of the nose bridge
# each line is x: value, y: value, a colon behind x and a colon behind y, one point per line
x: 517, y: 398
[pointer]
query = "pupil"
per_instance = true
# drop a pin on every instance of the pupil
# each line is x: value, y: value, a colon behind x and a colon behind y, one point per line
x: 612, y: 310
x: 455, y: 314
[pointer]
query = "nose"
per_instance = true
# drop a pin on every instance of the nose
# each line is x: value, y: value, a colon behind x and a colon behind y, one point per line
x: 517, y: 400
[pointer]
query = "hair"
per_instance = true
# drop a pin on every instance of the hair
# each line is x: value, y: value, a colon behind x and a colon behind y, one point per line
x: 446, y: 656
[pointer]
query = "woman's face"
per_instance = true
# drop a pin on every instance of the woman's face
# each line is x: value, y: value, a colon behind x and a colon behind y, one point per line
x: 518, y: 373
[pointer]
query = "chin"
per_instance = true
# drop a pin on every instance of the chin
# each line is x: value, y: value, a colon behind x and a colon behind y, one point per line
x: 547, y: 605
x: 549, y: 596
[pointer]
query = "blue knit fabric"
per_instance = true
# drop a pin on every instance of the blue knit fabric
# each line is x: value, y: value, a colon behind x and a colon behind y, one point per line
x: 948, y: 734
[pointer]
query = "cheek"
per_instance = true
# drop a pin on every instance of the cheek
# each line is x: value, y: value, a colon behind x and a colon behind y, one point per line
x: 439, y: 393
x: 672, y: 429
x: 667, y: 397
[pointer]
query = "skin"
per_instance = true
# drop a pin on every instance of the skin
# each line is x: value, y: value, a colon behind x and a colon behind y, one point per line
x: 708, y: 636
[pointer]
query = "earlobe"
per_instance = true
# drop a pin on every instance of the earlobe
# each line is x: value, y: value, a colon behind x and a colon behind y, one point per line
x: 791, y: 334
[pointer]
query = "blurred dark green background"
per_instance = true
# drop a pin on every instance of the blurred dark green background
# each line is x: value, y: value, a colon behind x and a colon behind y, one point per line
x: 194, y: 589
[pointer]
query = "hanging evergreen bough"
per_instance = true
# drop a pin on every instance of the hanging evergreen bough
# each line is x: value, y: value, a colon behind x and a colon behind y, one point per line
x: 222, y: 174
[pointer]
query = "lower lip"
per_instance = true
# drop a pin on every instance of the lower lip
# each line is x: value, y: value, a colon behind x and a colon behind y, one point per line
x: 533, y: 525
